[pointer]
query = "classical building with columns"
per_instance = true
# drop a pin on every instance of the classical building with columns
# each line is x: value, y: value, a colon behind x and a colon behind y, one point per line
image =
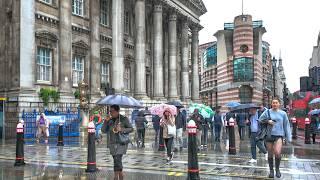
x: 140, y: 47
x: 237, y: 67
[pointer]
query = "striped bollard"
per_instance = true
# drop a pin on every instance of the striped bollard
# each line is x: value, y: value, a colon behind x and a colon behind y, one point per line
x: 19, y: 145
x: 232, y: 139
x: 91, y: 160
x: 193, y: 166
x: 294, y: 128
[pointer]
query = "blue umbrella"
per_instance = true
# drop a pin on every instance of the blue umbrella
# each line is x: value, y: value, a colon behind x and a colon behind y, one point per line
x: 314, y: 112
x: 245, y: 107
x: 121, y: 100
x: 232, y: 104
x: 315, y: 101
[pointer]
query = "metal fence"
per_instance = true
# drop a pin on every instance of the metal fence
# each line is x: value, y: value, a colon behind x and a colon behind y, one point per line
x: 70, y: 127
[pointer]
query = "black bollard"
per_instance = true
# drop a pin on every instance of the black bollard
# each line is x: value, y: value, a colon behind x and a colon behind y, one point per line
x: 193, y: 166
x: 307, y: 131
x: 294, y: 128
x: 161, y: 141
x: 91, y: 161
x: 60, y: 135
x: 232, y: 138
x: 19, y: 146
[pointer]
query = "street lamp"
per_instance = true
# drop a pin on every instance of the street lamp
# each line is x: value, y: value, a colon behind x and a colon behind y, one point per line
x: 274, y: 65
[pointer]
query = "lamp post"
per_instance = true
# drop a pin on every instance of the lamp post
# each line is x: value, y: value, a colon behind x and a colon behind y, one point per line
x: 84, y: 111
x: 274, y: 65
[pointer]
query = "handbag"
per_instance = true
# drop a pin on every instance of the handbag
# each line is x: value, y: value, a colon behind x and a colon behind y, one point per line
x: 171, y: 130
x: 124, y: 138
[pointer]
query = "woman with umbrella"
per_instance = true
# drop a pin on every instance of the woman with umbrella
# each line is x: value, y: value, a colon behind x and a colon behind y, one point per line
x: 314, y: 130
x: 118, y: 124
x: 167, y: 122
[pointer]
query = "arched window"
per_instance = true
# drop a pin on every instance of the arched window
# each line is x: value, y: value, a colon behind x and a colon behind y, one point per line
x: 245, y: 94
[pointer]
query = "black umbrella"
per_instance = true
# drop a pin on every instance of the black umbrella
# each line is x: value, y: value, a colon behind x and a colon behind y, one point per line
x: 243, y: 107
x: 176, y: 104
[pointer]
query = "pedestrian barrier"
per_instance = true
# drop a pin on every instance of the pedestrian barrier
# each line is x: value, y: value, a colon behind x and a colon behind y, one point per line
x: 70, y: 127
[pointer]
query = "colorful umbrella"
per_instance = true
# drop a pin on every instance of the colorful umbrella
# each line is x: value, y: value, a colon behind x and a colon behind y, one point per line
x: 121, y: 100
x: 204, y: 110
x: 315, y: 101
x: 232, y: 104
x: 159, y: 109
x: 314, y: 112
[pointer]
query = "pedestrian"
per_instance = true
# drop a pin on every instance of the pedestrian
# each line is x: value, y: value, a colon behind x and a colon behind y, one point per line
x: 156, y: 127
x: 180, y: 127
x: 228, y: 115
x: 198, y: 118
x: 205, y: 127
x: 141, y: 124
x: 167, y: 122
x: 254, y: 128
x: 97, y: 120
x: 42, y: 128
x: 241, y: 121
x: 218, y: 123
x: 278, y: 119
x: 119, y: 127
x: 314, y: 127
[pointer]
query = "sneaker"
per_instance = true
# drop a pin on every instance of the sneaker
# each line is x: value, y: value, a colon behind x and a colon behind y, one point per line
x: 266, y: 156
x: 172, y: 154
x: 253, y: 161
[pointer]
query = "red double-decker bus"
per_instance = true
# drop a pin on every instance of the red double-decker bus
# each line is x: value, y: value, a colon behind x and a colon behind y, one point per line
x: 300, y: 106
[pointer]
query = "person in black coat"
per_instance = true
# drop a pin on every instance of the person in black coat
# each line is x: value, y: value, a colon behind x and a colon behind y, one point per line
x: 156, y: 126
x: 314, y: 124
x: 141, y: 123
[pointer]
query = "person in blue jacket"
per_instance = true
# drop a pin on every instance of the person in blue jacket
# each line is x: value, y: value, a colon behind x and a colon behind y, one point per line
x: 280, y: 131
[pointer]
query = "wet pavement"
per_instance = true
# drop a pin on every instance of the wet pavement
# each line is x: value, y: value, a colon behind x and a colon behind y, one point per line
x: 299, y: 161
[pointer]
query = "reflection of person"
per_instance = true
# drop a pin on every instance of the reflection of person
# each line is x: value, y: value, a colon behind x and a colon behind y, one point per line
x: 42, y: 125
x: 117, y: 124
x: 167, y: 120
x: 278, y: 119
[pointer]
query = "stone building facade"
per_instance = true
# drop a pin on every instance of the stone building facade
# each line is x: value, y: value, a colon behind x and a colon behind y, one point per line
x: 237, y: 67
x: 140, y: 47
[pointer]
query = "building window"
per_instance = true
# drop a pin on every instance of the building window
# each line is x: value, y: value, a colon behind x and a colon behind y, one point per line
x: 243, y: 69
x: 105, y: 74
x: 104, y: 12
x: 77, y: 70
x: 77, y: 7
x: 127, y: 78
x: 264, y: 55
x: 210, y: 56
x: 245, y: 94
x: 126, y: 22
x: 47, y: 1
x: 44, y: 59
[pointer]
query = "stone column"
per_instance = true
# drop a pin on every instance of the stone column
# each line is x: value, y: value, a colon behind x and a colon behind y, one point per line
x: 95, y: 49
x: 194, y: 58
x: 27, y: 44
x: 166, y: 62
x: 117, y: 46
x: 140, y: 50
x: 65, y: 48
x: 173, y: 90
x: 158, y: 52
x: 185, y: 59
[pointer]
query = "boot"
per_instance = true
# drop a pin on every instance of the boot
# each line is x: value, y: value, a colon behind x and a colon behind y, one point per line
x: 270, y: 161
x: 116, y: 175
x: 121, y: 175
x: 278, y: 174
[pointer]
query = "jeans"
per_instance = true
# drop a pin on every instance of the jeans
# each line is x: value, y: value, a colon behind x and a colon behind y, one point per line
x: 117, y: 162
x: 205, y: 136
x: 199, y: 133
x: 168, y: 142
x: 217, y: 130
x: 141, y: 135
x: 98, y: 128
x: 179, y: 138
x: 241, y: 130
x: 255, y: 143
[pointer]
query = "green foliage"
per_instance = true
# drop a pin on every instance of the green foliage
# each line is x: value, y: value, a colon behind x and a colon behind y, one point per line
x: 77, y: 94
x: 46, y: 94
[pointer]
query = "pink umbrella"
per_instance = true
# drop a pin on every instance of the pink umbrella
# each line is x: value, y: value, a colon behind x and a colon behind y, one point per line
x: 160, y: 109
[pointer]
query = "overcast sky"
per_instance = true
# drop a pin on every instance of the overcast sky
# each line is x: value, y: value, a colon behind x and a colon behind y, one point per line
x: 292, y: 27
